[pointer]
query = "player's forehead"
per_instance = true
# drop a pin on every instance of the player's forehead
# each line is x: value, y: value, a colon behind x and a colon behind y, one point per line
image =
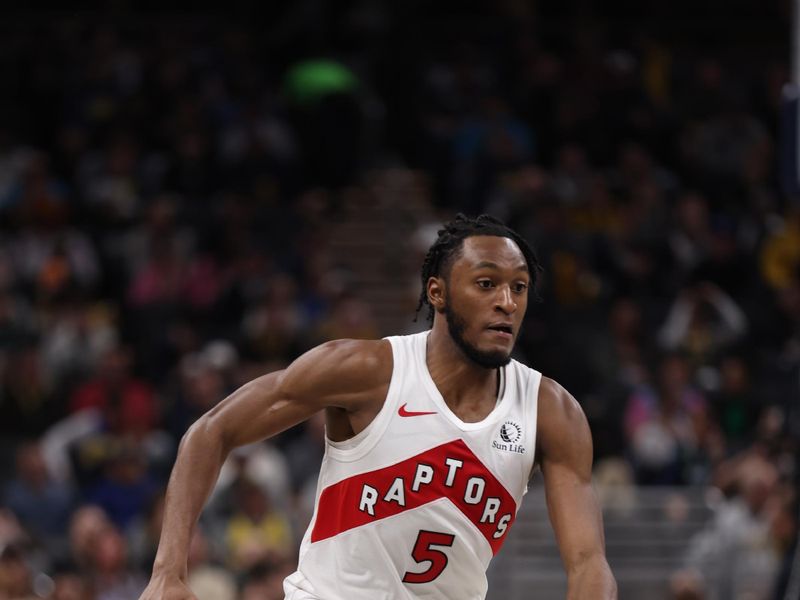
x: 487, y: 251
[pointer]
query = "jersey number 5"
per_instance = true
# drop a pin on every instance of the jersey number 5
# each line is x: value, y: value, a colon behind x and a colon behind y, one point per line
x: 423, y: 552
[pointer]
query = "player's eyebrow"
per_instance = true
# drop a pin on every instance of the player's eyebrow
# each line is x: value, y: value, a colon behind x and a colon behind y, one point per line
x: 487, y: 264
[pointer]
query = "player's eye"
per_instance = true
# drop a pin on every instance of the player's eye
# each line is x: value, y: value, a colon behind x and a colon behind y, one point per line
x: 520, y: 287
x: 485, y: 283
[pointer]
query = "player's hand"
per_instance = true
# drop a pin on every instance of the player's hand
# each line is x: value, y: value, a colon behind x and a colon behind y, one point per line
x: 161, y: 588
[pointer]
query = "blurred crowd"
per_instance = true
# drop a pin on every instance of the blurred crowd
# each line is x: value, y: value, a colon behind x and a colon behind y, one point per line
x: 167, y: 190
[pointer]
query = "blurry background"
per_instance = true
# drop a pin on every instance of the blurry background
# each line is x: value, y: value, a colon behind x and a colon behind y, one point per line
x: 190, y: 198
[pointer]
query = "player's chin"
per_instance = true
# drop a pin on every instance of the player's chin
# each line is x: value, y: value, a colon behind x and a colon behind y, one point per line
x: 493, y: 357
x: 496, y: 359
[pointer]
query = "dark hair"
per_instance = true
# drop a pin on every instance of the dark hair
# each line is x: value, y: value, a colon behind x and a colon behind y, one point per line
x: 448, y: 245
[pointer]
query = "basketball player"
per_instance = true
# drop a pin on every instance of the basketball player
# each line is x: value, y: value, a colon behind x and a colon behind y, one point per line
x: 431, y: 441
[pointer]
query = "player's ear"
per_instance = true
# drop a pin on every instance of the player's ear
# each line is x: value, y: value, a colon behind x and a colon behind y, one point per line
x: 436, y: 293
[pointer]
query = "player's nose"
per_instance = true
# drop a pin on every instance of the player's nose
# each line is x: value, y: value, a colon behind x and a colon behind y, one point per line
x: 505, y: 300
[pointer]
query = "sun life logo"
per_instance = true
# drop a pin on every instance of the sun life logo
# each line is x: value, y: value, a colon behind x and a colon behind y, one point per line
x: 510, y: 432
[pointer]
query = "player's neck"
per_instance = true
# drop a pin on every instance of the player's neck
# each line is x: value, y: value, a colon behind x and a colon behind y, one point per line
x: 459, y: 379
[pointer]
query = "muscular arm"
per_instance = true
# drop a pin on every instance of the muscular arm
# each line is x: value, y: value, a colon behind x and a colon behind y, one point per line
x: 565, y: 444
x: 347, y: 375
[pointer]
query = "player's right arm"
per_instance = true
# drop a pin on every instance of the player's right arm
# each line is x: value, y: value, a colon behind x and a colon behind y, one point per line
x: 349, y: 375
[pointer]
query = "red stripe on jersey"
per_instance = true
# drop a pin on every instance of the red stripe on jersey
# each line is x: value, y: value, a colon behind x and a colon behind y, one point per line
x: 338, y: 509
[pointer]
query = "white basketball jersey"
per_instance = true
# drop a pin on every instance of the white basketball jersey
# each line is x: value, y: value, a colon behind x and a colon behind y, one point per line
x: 418, y: 503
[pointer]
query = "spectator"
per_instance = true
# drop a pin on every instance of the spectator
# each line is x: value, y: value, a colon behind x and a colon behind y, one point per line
x: 16, y: 581
x: 12, y: 533
x: 70, y: 584
x: 42, y: 504
x: 257, y: 530
x: 350, y: 317
x: 736, y: 553
x: 112, y: 577
x: 125, y: 488
x: 264, y: 581
x: 736, y: 404
x: 85, y: 526
x: 208, y: 580
x: 128, y: 404
x: 276, y: 327
x: 28, y: 401
x: 690, y: 236
x: 76, y: 336
x: 703, y: 322
x: 662, y: 424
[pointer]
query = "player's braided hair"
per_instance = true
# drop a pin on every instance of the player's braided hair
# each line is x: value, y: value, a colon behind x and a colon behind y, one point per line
x: 448, y: 246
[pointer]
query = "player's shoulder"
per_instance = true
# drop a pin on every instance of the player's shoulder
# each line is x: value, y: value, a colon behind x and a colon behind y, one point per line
x: 555, y: 395
x: 557, y: 407
x: 340, y: 367
x: 362, y: 357
x: 563, y: 433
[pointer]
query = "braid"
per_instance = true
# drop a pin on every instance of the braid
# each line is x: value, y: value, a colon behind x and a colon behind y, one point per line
x: 448, y: 245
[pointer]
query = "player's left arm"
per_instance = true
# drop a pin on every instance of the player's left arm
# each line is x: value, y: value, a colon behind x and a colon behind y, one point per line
x: 565, y: 454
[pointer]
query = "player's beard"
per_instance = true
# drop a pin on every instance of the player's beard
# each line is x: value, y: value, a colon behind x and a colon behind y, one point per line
x: 456, y: 325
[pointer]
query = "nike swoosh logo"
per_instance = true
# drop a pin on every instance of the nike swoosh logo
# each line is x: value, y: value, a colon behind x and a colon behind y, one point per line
x: 412, y: 413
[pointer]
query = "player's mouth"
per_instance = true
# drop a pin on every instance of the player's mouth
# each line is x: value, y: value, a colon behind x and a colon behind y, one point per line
x: 502, y: 330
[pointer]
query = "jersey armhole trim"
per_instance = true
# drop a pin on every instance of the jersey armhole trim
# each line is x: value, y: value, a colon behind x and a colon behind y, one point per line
x: 533, y: 386
x: 361, y: 443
